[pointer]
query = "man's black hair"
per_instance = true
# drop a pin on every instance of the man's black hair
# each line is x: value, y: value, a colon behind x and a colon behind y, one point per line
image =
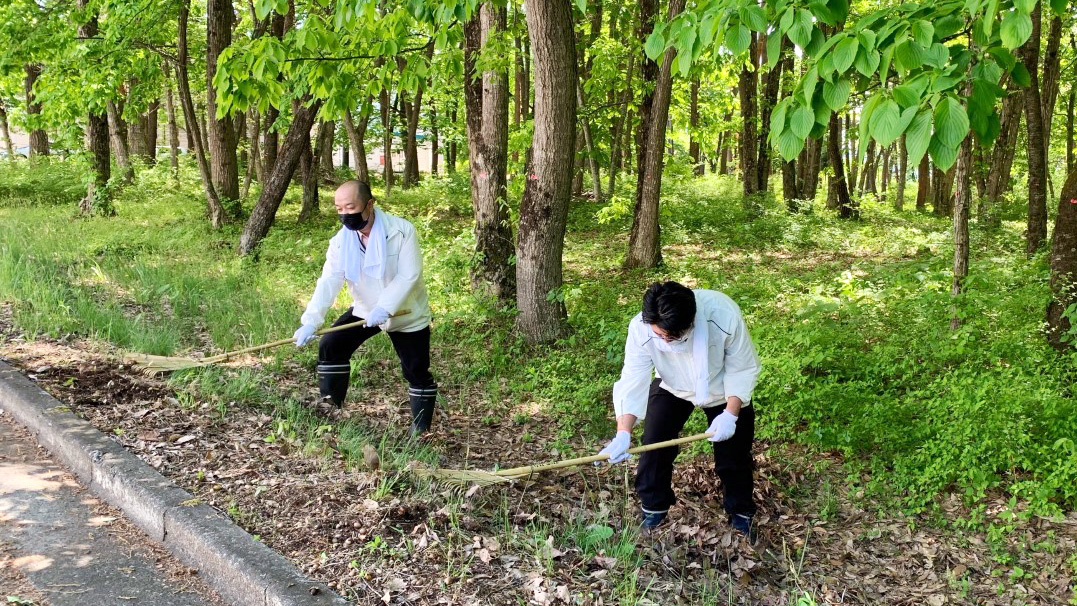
x: 363, y: 192
x: 670, y: 306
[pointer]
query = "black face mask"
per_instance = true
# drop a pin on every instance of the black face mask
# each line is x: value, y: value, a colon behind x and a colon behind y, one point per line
x: 354, y: 221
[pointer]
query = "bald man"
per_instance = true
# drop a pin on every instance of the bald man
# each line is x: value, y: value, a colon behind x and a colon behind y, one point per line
x: 377, y: 256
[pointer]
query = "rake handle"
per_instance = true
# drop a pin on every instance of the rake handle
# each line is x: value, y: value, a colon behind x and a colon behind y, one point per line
x: 530, y: 469
x: 324, y: 331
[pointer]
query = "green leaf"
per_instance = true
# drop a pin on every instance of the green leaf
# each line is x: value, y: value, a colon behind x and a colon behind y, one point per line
x: 948, y: 26
x: 1020, y: 75
x: 867, y: 63
x: 865, y: 119
x: 789, y: 145
x: 936, y: 56
x: 884, y: 123
x: 656, y: 44
x: 951, y: 122
x: 943, y: 156
x: 738, y: 39
x: 800, y: 32
x: 989, y: 17
x: 923, y: 32
x: 909, y: 56
x: 1025, y: 6
x: 918, y: 136
x: 1016, y: 28
x: 906, y: 95
x: 754, y: 17
x: 1059, y: 7
x: 906, y: 118
x: 884, y: 63
x: 867, y: 38
x: 774, y: 49
x: 836, y: 94
x: 787, y: 19
x: 582, y: 5
x: 802, y: 121
x: 844, y: 54
x: 777, y: 118
x: 808, y: 82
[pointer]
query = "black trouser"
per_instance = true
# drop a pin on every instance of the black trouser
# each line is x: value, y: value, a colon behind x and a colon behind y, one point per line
x: 413, y: 349
x: 733, y: 463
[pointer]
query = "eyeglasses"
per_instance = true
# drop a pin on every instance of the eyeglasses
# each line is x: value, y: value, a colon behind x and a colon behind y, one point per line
x: 661, y: 334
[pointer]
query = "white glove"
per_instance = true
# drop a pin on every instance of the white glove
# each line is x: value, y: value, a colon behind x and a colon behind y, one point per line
x: 617, y: 448
x: 377, y: 317
x: 305, y: 335
x: 723, y: 426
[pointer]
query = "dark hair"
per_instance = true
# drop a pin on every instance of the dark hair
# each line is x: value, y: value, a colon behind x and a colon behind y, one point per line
x: 670, y: 306
x: 363, y: 192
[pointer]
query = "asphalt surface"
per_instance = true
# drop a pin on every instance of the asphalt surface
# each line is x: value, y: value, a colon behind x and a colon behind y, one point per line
x: 63, y: 546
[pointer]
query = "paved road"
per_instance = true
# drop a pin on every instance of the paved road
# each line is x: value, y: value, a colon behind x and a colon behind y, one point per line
x: 60, y: 545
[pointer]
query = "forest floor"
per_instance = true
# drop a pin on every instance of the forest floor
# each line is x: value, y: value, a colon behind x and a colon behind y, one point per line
x: 383, y: 536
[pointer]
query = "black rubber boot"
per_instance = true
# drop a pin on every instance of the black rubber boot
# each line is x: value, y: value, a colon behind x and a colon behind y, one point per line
x: 333, y: 382
x: 423, y: 400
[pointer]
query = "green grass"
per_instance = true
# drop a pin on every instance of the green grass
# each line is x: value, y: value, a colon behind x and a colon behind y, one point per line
x: 851, y: 320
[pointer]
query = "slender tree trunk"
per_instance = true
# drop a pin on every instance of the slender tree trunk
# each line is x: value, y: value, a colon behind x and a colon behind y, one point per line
x: 254, y: 164
x: 1029, y: 54
x: 357, y: 137
x: 1003, y: 151
x: 1051, y: 71
x: 434, y: 143
x: 1064, y: 269
x: 224, y: 165
x: 1069, y: 132
x: 723, y: 165
x: 962, y: 203
x: 327, y: 133
x: 544, y: 208
x: 5, y: 133
x: 39, y: 139
x: 97, y: 196
x: 173, y: 127
x: 271, y: 140
x: 748, y: 99
x: 265, y: 210
x: 844, y: 204
x: 450, y: 158
x: 771, y: 81
x: 693, y: 124
x: 648, y: 13
x: 943, y: 191
x: 789, y: 185
x: 486, y: 101
x: 386, y: 142
x: 644, y: 241
x: 621, y: 125
x: 216, y: 210
x: 309, y: 163
x: 118, y: 137
x: 903, y: 171
x: 521, y: 87
x: 589, y: 145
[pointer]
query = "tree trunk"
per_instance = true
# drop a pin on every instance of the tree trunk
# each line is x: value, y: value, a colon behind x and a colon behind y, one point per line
x: 693, y: 124
x: 789, y: 185
x: 962, y: 203
x: 118, y: 136
x: 621, y: 125
x: 434, y: 143
x: 386, y: 142
x: 770, y: 97
x: 521, y: 92
x: 589, y: 146
x: 1003, y: 151
x: 1037, y: 152
x: 1051, y: 70
x: 254, y: 164
x: 39, y: 139
x: 844, y: 204
x: 648, y: 14
x: 544, y: 208
x: 1060, y: 325
x: 450, y: 157
x: 5, y: 133
x: 97, y: 196
x: 224, y: 166
x: 644, y: 241
x: 871, y: 164
x: 271, y: 140
x: 357, y: 137
x: 327, y: 133
x: 943, y: 191
x: 748, y: 98
x: 486, y: 101
x: 273, y: 190
x: 214, y: 207
x: 1069, y: 133
x: 923, y: 183
x: 173, y: 127
x: 903, y: 171
x: 309, y: 162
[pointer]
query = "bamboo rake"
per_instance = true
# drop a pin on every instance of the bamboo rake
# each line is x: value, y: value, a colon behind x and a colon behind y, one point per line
x: 484, y: 478
x: 151, y: 364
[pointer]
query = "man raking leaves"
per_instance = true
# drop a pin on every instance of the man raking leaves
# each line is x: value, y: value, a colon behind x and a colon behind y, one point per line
x: 377, y: 256
x: 696, y: 347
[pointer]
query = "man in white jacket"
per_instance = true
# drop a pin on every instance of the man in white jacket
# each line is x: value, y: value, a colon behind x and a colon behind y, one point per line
x: 696, y: 346
x: 377, y: 256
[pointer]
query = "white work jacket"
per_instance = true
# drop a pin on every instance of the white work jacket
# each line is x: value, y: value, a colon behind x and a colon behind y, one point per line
x: 733, y: 363
x: 401, y: 288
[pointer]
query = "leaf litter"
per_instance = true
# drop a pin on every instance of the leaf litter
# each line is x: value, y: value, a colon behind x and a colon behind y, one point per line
x: 378, y: 538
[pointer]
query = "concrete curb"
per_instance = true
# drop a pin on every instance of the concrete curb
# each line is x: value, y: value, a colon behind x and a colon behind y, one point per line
x: 243, y: 570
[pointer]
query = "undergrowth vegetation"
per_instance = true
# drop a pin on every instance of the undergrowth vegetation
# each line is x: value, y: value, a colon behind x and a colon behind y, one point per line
x: 851, y: 319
